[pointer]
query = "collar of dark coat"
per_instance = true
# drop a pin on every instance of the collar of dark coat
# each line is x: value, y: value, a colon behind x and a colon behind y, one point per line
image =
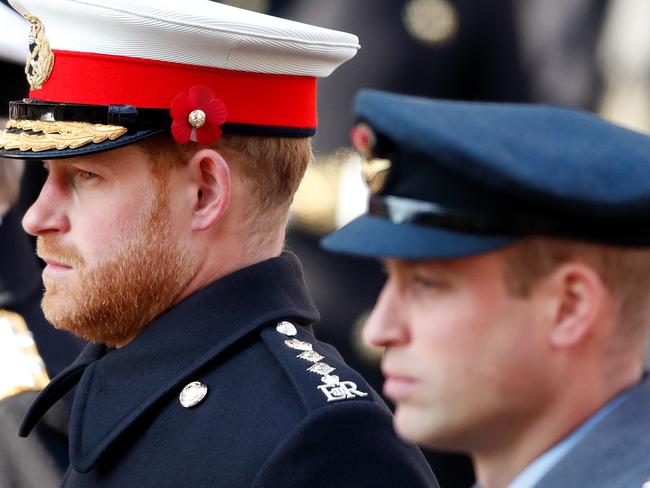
x: 116, y: 387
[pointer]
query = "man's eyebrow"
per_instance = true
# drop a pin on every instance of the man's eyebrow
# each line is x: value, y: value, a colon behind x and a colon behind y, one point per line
x: 91, y: 160
x: 429, y: 265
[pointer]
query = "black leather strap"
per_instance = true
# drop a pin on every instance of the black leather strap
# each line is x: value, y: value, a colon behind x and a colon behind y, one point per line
x: 615, y: 230
x: 123, y: 115
x: 131, y: 117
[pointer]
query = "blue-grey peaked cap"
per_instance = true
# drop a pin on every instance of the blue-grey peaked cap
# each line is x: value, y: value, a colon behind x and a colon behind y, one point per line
x: 495, y: 173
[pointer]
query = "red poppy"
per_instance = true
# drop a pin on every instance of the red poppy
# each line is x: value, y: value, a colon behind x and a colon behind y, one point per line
x: 363, y: 139
x: 197, y: 116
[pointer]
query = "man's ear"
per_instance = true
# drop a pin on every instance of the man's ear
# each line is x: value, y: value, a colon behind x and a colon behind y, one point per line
x: 211, y: 177
x: 579, y: 298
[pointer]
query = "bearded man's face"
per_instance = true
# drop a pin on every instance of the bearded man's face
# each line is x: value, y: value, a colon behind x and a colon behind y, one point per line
x: 104, y: 229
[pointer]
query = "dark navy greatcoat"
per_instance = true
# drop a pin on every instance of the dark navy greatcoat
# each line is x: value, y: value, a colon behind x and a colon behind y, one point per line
x: 266, y: 420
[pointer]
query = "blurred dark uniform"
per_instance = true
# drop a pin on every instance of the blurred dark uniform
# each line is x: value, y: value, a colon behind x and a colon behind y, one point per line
x: 41, y: 460
x: 37, y: 350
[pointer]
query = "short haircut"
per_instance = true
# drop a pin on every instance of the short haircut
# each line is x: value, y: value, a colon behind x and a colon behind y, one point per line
x: 624, y: 271
x: 272, y: 167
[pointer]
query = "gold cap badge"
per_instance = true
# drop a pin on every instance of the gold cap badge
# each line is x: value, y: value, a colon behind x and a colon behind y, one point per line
x: 44, y: 135
x: 374, y: 171
x: 41, y: 58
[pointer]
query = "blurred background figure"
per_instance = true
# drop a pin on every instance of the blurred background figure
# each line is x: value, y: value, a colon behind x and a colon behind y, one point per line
x: 20, y: 273
x: 557, y: 45
x: 624, y: 54
x: 31, y: 350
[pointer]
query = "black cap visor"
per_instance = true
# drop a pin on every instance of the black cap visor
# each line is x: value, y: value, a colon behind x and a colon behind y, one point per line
x: 129, y: 137
x: 49, y: 130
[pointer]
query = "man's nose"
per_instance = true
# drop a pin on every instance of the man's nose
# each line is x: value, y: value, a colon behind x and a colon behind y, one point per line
x: 47, y: 214
x: 386, y: 326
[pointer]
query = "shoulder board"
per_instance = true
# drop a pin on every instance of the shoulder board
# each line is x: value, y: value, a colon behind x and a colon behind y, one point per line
x: 317, y: 371
x: 21, y: 367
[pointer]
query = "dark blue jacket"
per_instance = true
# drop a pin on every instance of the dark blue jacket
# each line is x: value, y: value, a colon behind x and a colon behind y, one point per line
x: 267, y: 421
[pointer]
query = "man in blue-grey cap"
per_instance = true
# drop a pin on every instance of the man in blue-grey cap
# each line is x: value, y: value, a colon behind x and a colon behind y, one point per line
x: 517, y: 244
x: 202, y: 368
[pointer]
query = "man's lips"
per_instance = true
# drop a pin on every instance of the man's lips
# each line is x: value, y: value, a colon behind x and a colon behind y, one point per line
x: 55, y: 263
x: 398, y: 386
x: 54, y: 267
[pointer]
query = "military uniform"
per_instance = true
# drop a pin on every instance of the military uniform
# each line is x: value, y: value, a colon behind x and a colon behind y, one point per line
x: 29, y: 349
x: 275, y: 407
x: 41, y: 460
x: 451, y: 180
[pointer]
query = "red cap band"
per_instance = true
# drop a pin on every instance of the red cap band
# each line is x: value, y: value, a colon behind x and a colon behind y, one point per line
x: 251, y: 98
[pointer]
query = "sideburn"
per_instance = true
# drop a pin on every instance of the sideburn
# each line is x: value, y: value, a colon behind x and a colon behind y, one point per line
x: 114, y: 301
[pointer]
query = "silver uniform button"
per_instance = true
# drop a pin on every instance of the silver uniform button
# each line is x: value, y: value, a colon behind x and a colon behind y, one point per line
x: 193, y: 394
x: 287, y: 328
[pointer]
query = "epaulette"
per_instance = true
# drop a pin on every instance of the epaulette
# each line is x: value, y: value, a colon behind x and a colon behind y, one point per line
x: 317, y: 371
x: 21, y: 367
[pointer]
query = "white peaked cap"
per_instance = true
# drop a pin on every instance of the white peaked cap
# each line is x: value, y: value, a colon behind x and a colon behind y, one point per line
x: 196, y: 32
x: 13, y: 47
x: 128, y: 69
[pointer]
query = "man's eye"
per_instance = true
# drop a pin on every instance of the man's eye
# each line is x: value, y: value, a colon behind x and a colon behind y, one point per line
x: 426, y: 282
x: 85, y: 175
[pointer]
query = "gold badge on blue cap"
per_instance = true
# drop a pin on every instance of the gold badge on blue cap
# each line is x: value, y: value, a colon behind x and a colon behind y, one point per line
x: 375, y: 171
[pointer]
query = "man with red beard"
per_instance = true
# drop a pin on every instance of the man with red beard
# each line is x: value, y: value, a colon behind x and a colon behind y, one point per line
x: 174, y: 146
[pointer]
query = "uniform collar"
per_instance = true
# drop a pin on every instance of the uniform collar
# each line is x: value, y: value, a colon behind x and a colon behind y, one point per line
x: 116, y: 387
